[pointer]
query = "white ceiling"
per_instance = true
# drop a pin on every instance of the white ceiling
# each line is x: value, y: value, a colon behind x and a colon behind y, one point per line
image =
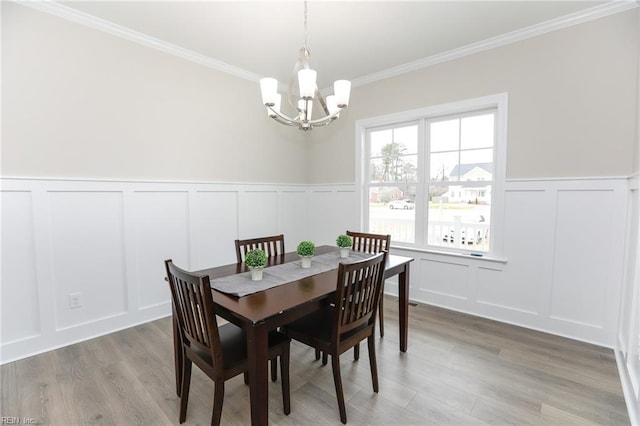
x: 355, y: 40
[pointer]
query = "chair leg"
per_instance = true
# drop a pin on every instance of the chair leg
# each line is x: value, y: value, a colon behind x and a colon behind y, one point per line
x: 337, y: 380
x: 218, y: 398
x: 317, y: 354
x: 178, y: 356
x: 274, y: 370
x: 381, y: 313
x: 284, y: 373
x: 184, y: 387
x: 325, y: 358
x: 372, y: 362
x: 356, y: 352
x: 246, y: 378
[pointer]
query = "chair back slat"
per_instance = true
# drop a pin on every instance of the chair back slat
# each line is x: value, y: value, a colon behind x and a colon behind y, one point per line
x: 369, y: 243
x: 193, y: 306
x: 272, y: 246
x: 358, y: 293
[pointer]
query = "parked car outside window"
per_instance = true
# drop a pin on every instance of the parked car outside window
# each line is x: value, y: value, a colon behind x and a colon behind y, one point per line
x: 401, y: 204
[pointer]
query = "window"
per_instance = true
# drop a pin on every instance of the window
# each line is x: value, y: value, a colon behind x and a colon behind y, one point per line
x: 433, y: 178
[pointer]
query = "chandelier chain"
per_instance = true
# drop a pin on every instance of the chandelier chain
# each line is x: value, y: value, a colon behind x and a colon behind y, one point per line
x: 306, y: 47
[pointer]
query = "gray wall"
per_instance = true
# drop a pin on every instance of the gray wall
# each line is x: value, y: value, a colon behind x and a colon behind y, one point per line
x: 572, y: 102
x: 80, y: 103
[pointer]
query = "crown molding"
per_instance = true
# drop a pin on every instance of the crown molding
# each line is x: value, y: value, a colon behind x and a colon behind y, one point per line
x: 68, y: 13
x: 586, y: 15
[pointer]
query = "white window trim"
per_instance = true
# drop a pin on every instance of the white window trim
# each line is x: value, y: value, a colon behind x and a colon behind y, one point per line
x: 500, y: 103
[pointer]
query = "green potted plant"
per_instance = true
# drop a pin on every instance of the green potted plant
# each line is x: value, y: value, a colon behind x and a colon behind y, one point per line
x: 256, y: 260
x: 305, y: 250
x: 344, y: 242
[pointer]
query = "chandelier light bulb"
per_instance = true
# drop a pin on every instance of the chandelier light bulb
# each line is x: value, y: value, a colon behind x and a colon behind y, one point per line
x: 342, y: 89
x: 269, y: 89
x: 307, y: 83
x: 332, y: 106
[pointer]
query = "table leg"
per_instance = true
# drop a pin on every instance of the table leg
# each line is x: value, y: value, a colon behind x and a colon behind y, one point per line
x: 403, y: 302
x: 258, y: 358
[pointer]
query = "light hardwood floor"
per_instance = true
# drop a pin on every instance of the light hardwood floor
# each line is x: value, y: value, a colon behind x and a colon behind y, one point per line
x: 459, y: 370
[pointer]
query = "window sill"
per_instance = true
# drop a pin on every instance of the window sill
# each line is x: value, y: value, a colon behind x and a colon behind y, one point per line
x: 481, y: 257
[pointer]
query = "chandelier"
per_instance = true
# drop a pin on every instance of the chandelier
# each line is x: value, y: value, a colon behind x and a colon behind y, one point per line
x: 308, y: 91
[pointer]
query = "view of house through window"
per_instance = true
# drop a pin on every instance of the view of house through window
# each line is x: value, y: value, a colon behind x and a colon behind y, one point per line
x: 430, y: 181
x: 459, y: 181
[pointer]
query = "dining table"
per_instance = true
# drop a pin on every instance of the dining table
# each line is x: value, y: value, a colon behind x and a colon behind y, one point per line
x: 263, y: 311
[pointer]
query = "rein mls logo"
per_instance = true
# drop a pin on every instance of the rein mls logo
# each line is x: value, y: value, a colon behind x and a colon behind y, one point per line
x: 8, y: 420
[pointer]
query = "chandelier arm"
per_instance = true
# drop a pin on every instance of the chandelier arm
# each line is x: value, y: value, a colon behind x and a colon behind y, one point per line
x: 286, y: 123
x: 329, y: 118
x: 324, y: 124
x: 283, y: 119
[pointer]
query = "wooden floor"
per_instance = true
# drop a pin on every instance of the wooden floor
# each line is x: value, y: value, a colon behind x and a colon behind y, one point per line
x: 459, y: 370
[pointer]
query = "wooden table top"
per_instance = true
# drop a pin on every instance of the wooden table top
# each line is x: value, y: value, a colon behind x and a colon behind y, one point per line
x: 263, y: 305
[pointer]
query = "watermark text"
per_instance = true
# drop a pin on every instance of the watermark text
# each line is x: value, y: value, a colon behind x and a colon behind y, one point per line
x: 15, y: 420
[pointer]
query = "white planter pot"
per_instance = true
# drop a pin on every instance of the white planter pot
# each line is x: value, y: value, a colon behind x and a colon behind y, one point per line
x: 344, y: 251
x: 256, y: 273
x: 305, y: 261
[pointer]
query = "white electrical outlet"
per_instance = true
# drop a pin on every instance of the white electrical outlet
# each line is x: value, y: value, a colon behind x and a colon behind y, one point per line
x: 75, y: 300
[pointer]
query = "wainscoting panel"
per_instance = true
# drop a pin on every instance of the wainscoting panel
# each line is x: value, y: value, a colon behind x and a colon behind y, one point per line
x: 87, y: 248
x: 293, y: 210
x: 561, y: 270
x: 345, y: 207
x: 162, y: 232
x: 501, y: 293
x: 214, y: 220
x: 20, y: 308
x: 526, y: 235
x: 628, y: 342
x: 582, y: 259
x: 448, y: 279
x: 320, y: 208
x: 258, y: 213
x: 332, y: 210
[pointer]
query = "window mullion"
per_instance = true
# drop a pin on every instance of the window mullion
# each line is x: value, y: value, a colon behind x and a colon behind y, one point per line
x: 422, y: 197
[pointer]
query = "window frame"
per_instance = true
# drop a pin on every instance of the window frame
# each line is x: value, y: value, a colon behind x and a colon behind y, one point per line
x: 422, y: 116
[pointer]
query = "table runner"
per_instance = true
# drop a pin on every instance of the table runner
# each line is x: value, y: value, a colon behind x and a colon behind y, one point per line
x: 241, y: 285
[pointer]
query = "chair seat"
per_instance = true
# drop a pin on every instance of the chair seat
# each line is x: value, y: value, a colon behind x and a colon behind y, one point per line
x: 317, y: 326
x: 233, y: 342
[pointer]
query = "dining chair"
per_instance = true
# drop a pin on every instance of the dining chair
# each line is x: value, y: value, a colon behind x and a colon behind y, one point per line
x: 372, y: 243
x: 273, y: 246
x: 368, y: 243
x: 347, y: 321
x: 219, y: 351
